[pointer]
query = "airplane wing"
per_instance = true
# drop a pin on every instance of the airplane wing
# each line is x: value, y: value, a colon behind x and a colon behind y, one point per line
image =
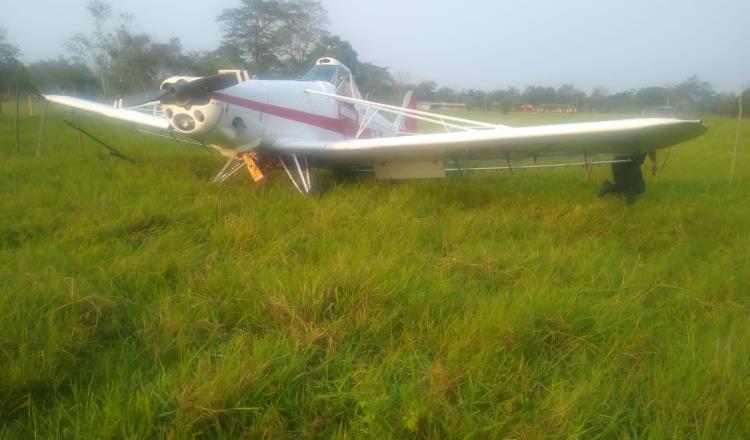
x: 621, y: 137
x: 121, y: 114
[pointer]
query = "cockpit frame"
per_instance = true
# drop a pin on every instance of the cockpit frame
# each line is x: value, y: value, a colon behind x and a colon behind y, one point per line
x: 336, y: 73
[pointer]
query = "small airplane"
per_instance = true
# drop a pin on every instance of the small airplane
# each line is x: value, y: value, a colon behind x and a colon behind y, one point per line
x: 322, y: 121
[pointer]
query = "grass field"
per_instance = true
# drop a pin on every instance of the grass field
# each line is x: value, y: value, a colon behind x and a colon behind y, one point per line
x: 140, y: 301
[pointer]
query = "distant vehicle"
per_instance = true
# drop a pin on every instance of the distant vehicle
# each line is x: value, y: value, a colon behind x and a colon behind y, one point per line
x: 321, y: 121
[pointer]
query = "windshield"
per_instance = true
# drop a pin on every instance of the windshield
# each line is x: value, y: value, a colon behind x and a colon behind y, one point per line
x: 336, y: 74
x: 321, y: 73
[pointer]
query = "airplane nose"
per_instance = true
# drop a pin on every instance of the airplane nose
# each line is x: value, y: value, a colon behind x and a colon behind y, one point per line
x: 184, y: 122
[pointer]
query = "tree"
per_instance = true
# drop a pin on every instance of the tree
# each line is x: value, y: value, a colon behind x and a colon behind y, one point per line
x: 208, y: 63
x: 507, y: 100
x: 334, y: 47
x: 622, y: 102
x: 598, y: 99
x: 726, y: 104
x: 122, y: 61
x: 303, y: 29
x: 276, y: 37
x: 473, y: 98
x: 425, y: 90
x: 652, y: 97
x: 539, y: 95
x: 445, y: 94
x: 569, y: 95
x: 9, y: 64
x: 375, y: 82
x: 94, y: 50
x: 8, y: 52
x: 138, y: 63
x: 60, y: 74
x: 692, y: 95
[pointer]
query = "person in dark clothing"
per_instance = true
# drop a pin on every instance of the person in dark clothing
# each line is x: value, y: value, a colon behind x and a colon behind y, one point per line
x: 627, y: 176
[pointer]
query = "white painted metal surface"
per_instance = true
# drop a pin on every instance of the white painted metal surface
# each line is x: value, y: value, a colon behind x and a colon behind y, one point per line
x: 109, y: 111
x: 621, y: 137
x: 323, y: 118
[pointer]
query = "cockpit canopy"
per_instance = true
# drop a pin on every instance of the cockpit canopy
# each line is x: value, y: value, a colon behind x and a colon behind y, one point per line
x: 332, y: 71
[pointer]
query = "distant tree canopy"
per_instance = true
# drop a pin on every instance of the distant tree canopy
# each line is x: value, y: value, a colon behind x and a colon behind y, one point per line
x: 59, y: 75
x: 282, y: 39
x: 275, y: 37
x: 335, y: 47
x: 121, y: 61
x: 8, y: 52
x: 271, y: 38
x: 138, y: 63
x: 13, y: 73
x: 93, y: 50
x: 691, y: 96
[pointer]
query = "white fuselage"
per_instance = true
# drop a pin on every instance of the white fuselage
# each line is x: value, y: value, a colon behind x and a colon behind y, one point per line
x: 256, y: 113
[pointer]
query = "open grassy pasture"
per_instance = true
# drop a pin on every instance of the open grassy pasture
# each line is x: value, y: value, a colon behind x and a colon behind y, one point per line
x: 140, y: 301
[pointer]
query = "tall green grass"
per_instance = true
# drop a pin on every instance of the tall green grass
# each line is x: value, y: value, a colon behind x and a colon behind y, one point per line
x: 141, y: 301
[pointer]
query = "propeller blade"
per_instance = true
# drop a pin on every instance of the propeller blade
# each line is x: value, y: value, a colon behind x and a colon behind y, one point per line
x: 187, y: 92
x: 182, y: 92
x: 217, y: 82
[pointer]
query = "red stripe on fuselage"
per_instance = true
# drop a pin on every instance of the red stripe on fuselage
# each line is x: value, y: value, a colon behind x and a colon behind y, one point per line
x: 324, y: 122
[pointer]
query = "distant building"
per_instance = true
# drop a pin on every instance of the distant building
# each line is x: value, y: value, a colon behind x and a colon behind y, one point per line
x: 527, y: 107
x: 434, y: 106
x: 556, y: 108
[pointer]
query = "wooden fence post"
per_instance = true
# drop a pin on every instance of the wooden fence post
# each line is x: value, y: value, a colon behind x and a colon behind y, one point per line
x: 78, y: 119
x: 18, y: 110
x: 736, y: 141
x: 41, y: 128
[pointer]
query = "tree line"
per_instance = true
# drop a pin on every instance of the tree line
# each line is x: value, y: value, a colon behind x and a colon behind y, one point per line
x: 276, y: 39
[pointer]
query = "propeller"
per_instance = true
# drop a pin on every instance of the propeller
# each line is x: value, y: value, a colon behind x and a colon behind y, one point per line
x: 184, y: 93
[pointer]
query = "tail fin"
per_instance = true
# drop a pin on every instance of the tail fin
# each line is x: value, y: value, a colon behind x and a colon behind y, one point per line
x: 404, y: 123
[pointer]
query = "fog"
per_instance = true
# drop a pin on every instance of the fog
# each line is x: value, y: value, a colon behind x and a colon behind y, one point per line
x: 484, y: 44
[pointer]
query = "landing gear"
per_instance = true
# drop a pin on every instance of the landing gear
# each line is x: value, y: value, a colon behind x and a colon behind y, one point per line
x: 235, y: 163
x: 251, y: 163
x: 298, y: 170
x: 627, y: 176
x: 296, y: 167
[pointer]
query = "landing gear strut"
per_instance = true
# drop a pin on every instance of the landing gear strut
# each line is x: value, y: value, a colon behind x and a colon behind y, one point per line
x: 298, y: 170
x: 296, y: 167
x: 235, y: 163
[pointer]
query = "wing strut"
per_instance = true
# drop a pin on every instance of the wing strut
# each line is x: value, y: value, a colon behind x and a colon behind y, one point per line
x: 449, y: 122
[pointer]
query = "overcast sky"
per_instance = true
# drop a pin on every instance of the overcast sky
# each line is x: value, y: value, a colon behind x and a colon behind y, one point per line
x: 483, y: 44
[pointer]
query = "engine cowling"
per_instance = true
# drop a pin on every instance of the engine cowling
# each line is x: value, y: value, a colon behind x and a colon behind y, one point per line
x: 193, y: 115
